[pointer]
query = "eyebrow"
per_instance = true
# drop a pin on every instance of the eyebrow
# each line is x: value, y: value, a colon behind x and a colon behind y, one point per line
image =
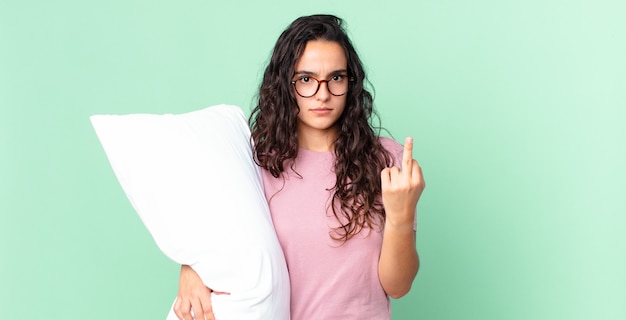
x: 307, y: 73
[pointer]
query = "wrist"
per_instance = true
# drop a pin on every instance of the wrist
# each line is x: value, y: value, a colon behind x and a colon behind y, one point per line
x: 400, y: 226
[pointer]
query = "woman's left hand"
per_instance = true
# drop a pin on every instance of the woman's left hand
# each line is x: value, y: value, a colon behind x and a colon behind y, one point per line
x: 401, y: 189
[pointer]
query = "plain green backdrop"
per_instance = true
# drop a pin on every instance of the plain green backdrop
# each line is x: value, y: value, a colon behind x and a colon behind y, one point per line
x: 518, y: 109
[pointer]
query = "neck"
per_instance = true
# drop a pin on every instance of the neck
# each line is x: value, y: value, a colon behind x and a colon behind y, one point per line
x: 317, y: 141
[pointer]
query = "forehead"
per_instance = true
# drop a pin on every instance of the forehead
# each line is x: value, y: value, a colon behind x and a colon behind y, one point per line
x: 321, y: 56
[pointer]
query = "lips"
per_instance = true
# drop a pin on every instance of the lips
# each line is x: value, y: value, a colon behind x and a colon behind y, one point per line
x: 321, y: 110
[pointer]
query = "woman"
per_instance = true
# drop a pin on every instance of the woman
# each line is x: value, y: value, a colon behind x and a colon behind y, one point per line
x: 343, y: 211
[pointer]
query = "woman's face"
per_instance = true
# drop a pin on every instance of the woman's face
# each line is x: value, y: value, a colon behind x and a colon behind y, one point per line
x: 321, y: 60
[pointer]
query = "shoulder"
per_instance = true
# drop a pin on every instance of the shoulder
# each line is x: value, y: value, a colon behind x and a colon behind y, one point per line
x: 394, y: 148
x: 391, y: 145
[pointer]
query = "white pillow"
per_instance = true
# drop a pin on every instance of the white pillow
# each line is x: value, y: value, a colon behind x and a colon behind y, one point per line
x: 192, y: 180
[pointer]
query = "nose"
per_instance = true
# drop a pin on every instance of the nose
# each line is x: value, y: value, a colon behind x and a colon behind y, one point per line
x: 323, y: 94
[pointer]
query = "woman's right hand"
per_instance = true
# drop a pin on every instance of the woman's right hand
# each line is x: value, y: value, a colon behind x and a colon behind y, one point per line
x: 193, y: 295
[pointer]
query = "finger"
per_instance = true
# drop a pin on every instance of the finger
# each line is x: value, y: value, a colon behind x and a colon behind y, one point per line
x: 185, y: 314
x: 417, y: 177
x: 179, y: 306
x: 385, y: 178
x: 407, y: 155
x: 207, y: 307
x: 221, y: 292
x: 196, y: 310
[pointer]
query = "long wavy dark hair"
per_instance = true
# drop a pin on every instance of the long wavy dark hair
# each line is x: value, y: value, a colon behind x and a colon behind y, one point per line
x: 360, y: 157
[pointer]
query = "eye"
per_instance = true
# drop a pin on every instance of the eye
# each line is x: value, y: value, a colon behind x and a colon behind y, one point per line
x: 304, y: 79
x: 337, y: 78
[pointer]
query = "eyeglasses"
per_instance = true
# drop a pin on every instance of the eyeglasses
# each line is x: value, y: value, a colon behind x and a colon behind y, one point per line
x: 307, y: 86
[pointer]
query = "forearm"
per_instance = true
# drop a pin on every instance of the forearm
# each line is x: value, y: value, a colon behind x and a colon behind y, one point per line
x: 399, y: 262
x: 401, y: 190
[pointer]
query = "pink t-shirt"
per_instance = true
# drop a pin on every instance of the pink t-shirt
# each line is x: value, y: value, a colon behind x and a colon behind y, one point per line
x: 328, y: 280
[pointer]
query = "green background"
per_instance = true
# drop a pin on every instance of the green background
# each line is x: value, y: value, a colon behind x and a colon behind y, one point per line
x: 518, y: 110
